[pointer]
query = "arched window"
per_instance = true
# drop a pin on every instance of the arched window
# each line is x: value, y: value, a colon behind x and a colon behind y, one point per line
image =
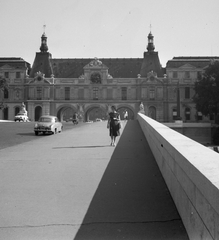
x: 152, y: 112
x: 5, y: 113
x: 16, y: 111
x: 38, y: 112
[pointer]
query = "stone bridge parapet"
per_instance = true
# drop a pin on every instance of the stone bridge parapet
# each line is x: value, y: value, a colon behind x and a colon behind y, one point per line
x: 191, y: 172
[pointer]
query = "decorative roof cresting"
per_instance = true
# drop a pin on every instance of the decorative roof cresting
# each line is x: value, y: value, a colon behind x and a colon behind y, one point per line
x: 95, y: 63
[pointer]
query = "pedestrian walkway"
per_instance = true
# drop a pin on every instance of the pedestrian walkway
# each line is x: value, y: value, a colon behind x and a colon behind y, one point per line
x: 74, y: 185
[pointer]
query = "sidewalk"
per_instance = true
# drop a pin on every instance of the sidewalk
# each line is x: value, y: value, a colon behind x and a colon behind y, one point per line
x: 74, y: 185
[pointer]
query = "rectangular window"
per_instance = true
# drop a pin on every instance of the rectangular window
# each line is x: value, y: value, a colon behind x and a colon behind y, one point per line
x: 144, y: 93
x: 151, y: 94
x: 31, y: 93
x: 187, y: 117
x: 199, y: 75
x: 57, y: 93
x: 18, y: 74
x: 187, y: 113
x: 124, y: 93
x: 67, y: 93
x: 187, y: 92
x: 175, y: 74
x: 95, y: 93
x: 81, y: 94
x: 5, y: 93
x: 187, y: 74
x: 6, y: 74
x: 199, y: 116
x: 39, y: 93
x: 109, y: 94
x: 159, y: 92
x: 174, y: 114
x: 46, y: 93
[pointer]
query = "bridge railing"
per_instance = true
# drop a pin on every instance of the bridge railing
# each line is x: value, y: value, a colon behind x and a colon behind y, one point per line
x: 191, y: 172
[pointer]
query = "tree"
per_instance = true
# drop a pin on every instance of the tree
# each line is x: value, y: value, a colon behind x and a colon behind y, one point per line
x: 207, y: 91
x: 3, y: 88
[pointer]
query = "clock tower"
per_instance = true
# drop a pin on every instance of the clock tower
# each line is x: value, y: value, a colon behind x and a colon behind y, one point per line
x: 151, y: 61
x: 42, y: 61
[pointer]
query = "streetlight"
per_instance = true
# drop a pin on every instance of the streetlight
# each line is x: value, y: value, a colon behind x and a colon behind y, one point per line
x: 178, y: 103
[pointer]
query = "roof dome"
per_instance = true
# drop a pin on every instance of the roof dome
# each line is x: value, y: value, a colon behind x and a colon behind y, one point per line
x: 150, y: 35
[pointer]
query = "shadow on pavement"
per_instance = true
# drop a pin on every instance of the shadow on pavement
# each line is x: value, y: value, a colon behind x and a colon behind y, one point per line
x: 132, y: 200
x: 26, y: 134
x: 84, y: 147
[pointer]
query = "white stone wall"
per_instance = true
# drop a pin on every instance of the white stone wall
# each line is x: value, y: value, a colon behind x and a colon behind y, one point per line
x: 191, y: 172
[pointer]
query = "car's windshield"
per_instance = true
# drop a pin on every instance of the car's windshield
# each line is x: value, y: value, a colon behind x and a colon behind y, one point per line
x: 45, y: 119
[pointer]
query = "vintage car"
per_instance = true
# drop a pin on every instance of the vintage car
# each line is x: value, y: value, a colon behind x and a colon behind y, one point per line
x: 48, y: 124
x: 21, y: 117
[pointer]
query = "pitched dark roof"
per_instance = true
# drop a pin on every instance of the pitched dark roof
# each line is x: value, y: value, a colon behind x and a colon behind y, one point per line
x: 198, y: 62
x: 117, y: 67
x: 11, y: 59
x: 42, y: 63
x: 150, y: 63
x: 14, y: 62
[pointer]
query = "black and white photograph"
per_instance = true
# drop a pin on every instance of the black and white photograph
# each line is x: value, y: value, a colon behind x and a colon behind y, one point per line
x: 109, y: 120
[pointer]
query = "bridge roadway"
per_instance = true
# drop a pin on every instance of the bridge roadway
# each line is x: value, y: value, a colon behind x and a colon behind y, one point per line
x: 74, y: 185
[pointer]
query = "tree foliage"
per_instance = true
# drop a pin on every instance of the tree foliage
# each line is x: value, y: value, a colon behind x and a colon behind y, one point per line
x: 3, y: 84
x: 207, y: 90
x: 3, y: 88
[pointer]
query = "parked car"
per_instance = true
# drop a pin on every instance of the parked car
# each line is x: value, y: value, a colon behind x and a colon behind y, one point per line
x: 67, y: 119
x: 48, y: 124
x: 21, y: 117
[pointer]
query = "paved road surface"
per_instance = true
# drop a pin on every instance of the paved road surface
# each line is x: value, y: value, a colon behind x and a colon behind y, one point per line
x: 78, y: 187
x: 13, y: 133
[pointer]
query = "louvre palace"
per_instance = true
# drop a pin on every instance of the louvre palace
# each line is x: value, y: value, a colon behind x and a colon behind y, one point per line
x: 89, y: 87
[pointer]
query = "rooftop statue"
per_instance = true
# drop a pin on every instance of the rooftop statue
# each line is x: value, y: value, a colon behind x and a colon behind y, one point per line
x: 23, y: 109
x: 141, y: 107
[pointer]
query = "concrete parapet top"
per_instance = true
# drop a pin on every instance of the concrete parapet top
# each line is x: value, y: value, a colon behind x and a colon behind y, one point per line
x: 196, y: 125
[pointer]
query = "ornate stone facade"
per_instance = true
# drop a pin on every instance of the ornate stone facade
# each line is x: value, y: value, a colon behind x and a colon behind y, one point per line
x: 89, y: 87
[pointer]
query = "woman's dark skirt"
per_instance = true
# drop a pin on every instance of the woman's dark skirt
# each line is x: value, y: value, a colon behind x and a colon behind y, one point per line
x: 114, y: 129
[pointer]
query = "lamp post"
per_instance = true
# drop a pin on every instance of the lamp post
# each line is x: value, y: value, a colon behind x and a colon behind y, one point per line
x: 214, y: 105
x: 178, y: 102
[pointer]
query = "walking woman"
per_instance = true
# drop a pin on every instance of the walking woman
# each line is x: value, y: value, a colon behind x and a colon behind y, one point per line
x: 114, y: 125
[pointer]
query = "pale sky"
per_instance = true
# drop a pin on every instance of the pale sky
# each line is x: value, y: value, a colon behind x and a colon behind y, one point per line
x: 109, y: 28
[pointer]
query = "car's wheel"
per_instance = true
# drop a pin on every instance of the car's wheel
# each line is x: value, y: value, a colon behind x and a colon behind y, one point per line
x: 21, y: 120
x: 61, y: 129
x: 36, y: 133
